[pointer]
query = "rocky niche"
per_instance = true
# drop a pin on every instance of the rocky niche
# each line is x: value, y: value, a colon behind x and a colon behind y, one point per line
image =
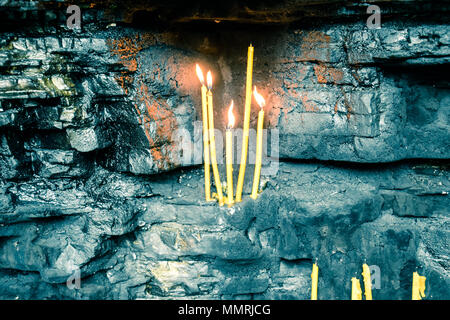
x: 94, y: 182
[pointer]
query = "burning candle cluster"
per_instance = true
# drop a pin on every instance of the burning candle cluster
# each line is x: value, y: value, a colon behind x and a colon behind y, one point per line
x: 209, y: 144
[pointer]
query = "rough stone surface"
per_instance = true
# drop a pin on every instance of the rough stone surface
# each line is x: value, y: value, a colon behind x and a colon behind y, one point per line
x: 94, y: 173
x: 154, y: 238
x: 340, y: 92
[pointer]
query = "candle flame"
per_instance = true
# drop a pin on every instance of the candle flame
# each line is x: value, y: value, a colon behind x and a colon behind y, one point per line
x: 209, y: 80
x: 200, y: 74
x: 231, y: 115
x: 259, y: 98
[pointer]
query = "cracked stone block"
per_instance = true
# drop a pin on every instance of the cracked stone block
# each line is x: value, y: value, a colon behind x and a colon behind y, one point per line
x: 87, y: 139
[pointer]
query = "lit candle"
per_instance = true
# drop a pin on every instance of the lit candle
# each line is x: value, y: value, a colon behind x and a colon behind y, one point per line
x: 259, y: 135
x: 314, y: 278
x: 205, y: 136
x: 245, y: 131
x: 356, y: 289
x: 212, y: 139
x: 367, y: 282
x: 418, y: 288
x: 229, y: 155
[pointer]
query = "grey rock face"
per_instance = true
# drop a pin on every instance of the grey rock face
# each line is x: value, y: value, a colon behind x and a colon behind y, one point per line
x: 352, y: 100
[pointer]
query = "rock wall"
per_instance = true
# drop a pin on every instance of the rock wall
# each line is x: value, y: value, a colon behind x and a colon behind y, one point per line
x: 93, y: 176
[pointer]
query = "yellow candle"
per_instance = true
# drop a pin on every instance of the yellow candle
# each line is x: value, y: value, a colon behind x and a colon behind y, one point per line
x: 418, y: 288
x: 259, y: 135
x: 245, y: 131
x: 229, y: 155
x: 367, y: 282
x: 212, y: 140
x: 356, y: 289
x: 205, y: 136
x: 314, y: 278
